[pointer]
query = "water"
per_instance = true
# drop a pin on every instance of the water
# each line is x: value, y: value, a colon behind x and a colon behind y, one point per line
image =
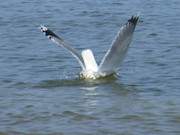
x: 40, y: 92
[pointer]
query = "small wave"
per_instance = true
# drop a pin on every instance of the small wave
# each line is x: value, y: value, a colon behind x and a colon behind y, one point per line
x: 77, y: 116
x: 74, y: 82
x: 132, y: 117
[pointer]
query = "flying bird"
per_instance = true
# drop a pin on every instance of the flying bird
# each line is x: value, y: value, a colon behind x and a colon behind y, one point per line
x: 113, y: 57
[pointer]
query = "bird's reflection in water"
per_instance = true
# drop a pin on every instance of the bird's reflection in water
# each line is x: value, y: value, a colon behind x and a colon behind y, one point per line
x: 109, y: 95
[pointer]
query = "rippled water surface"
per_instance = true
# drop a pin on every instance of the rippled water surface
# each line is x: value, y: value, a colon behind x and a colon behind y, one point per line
x: 40, y: 92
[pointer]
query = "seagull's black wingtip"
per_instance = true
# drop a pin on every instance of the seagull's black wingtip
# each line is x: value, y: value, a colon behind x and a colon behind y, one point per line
x: 133, y: 20
x: 48, y: 32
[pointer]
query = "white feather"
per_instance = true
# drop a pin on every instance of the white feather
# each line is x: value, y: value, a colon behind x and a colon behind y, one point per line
x: 89, y: 60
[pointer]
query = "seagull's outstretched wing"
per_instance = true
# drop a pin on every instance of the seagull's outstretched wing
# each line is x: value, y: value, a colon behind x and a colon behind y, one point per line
x: 119, y: 47
x: 59, y: 41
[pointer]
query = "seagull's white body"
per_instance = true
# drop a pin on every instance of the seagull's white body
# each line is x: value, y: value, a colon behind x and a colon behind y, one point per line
x: 111, y: 60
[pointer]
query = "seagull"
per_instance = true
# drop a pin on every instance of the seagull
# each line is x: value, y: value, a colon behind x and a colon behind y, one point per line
x: 113, y: 57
